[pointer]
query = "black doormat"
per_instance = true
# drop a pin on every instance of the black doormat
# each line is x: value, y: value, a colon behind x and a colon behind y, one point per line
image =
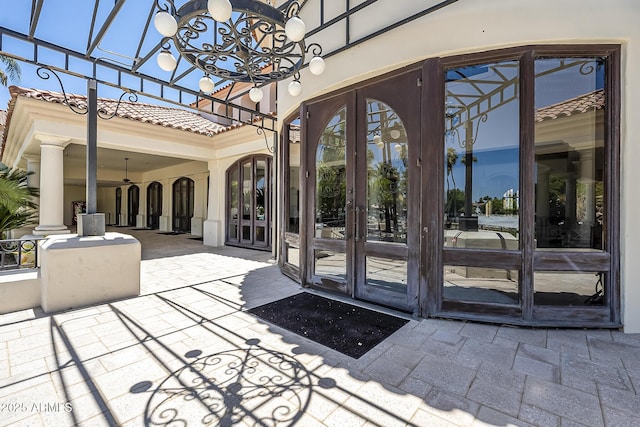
x: 171, y: 233
x: 346, y: 328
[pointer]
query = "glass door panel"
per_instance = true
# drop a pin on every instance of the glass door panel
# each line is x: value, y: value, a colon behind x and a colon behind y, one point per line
x: 385, y: 273
x: 328, y: 192
x: 246, y: 202
x: 330, y: 199
x: 234, y: 197
x: 570, y: 208
x: 331, y: 179
x: 386, y: 205
x: 481, y: 185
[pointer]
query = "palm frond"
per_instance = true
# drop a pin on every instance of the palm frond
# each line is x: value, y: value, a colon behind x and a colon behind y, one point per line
x: 11, y: 70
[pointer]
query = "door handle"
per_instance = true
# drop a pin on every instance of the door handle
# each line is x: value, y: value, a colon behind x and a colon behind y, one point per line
x: 357, y: 233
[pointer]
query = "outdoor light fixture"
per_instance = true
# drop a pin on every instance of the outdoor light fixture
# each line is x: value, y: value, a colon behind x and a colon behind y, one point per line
x: 206, y: 84
x: 241, y: 40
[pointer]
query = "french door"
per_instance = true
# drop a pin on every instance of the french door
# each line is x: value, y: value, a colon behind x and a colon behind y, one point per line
x: 362, y: 180
x: 154, y: 205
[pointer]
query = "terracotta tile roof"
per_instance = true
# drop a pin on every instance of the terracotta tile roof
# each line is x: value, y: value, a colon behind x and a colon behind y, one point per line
x: 174, y: 118
x: 581, y: 104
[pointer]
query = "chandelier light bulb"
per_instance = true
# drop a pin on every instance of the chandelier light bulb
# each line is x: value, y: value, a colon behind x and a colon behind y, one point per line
x: 295, y: 88
x: 220, y: 10
x: 398, y: 148
x: 295, y: 29
x: 395, y: 133
x: 377, y: 139
x: 316, y: 65
x: 165, y: 24
x: 166, y: 61
x: 206, y: 84
x: 256, y: 94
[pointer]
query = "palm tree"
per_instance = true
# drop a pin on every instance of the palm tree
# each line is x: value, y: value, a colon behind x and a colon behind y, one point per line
x: 11, y: 70
x: 17, y: 205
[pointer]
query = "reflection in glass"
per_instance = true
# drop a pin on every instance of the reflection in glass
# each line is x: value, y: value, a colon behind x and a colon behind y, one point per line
x: 331, y: 179
x: 569, y: 146
x: 387, y: 174
x: 246, y: 191
x: 260, y: 234
x: 568, y: 288
x: 481, y: 193
x: 234, y: 194
x: 331, y: 265
x: 387, y: 274
x: 293, y: 255
x: 480, y: 284
x: 261, y: 167
x: 293, y: 225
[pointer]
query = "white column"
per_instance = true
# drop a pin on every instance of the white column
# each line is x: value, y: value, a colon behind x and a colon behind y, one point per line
x: 199, y: 204
x: 51, y: 186
x: 166, y: 217
x: 213, y: 231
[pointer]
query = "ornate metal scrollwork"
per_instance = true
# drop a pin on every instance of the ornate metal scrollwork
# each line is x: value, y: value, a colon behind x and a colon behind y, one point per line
x: 80, y: 106
x: 260, y: 131
x: 252, y: 46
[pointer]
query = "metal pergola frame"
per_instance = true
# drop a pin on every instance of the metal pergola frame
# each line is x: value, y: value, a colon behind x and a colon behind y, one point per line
x: 245, y: 115
x: 154, y: 87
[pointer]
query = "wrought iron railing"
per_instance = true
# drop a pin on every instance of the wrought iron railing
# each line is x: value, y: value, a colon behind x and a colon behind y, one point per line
x: 19, y: 253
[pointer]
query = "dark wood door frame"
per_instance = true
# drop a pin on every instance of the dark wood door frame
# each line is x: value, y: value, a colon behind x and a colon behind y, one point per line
x: 154, y: 210
x: 429, y: 161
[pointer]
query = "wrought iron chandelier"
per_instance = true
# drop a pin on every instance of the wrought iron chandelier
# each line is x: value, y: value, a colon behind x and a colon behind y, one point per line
x: 240, y: 40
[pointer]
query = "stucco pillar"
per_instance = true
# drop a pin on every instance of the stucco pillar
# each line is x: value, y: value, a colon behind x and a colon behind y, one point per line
x: 199, y: 204
x: 213, y: 227
x: 51, y: 217
x: 166, y: 217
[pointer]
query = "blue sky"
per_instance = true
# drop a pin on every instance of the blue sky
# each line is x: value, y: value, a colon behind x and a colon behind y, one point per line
x: 59, y: 26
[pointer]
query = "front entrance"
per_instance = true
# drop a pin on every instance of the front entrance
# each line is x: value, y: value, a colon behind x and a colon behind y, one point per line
x: 365, y: 215
x: 477, y: 187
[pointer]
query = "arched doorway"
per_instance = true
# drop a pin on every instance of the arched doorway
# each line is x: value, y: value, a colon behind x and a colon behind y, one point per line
x: 133, y: 204
x: 154, y: 205
x: 183, y: 194
x: 249, y: 203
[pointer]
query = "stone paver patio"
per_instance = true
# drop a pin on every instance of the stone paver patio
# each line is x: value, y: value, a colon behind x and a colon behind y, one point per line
x: 186, y: 352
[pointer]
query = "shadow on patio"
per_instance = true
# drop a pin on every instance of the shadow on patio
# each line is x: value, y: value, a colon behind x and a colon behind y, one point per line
x: 186, y: 352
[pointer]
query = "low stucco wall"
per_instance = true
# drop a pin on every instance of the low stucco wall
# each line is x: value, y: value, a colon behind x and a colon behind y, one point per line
x: 19, y: 290
x: 79, y: 271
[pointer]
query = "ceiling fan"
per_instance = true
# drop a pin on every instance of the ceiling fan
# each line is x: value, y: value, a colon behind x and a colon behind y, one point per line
x: 126, y: 179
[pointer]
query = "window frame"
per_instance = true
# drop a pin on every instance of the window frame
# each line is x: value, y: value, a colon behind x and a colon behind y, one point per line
x: 527, y: 259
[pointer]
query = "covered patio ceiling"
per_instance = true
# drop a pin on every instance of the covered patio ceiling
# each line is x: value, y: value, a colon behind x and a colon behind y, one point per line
x: 115, y: 43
